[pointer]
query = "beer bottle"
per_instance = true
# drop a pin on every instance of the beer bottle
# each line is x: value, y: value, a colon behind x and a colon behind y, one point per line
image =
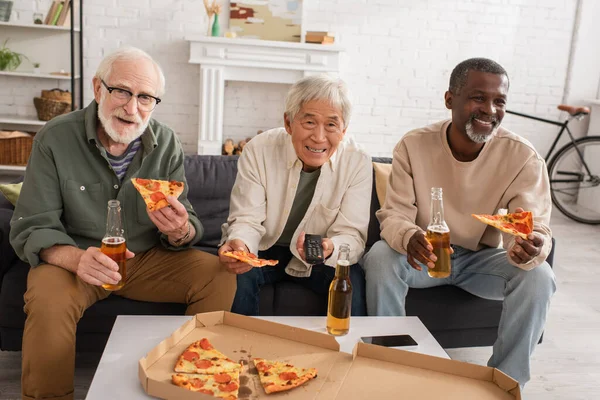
x: 438, y: 235
x: 340, y: 295
x: 113, y: 243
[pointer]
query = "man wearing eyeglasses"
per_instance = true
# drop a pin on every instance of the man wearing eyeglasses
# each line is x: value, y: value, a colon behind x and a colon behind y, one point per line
x: 80, y: 161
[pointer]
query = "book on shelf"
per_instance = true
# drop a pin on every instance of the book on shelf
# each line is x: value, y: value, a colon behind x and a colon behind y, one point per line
x: 51, y: 12
x: 59, y: 13
x: 320, y: 33
x: 319, y: 39
x: 64, y: 13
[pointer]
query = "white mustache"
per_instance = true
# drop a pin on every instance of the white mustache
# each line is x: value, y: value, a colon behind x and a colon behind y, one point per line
x: 119, y: 113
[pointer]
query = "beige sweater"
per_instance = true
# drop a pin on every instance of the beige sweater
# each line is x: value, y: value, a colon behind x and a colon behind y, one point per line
x: 508, y: 173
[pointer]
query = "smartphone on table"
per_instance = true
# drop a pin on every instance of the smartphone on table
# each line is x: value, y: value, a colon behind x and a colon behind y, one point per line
x: 404, y: 342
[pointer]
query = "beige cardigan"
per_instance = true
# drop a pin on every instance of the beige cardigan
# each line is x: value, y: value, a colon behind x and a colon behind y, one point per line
x: 508, y: 173
x: 265, y: 187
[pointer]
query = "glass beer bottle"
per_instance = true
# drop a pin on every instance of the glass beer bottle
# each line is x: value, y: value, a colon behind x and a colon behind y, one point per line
x: 340, y: 295
x: 113, y: 243
x: 438, y: 235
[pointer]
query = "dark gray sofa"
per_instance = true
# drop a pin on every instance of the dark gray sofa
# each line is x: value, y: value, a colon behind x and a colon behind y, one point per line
x: 456, y: 318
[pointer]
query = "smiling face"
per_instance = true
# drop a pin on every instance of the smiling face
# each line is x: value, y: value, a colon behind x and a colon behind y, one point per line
x: 316, y: 131
x: 123, y: 123
x: 479, y: 107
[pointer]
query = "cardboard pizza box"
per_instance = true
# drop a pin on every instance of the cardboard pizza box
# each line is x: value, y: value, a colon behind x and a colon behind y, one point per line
x: 371, y: 372
x: 394, y: 373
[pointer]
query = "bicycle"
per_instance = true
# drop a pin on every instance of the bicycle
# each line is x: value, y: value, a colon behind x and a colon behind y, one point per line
x: 573, y: 169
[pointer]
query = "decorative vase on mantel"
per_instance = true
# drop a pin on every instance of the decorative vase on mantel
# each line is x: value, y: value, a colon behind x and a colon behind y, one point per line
x: 216, y: 28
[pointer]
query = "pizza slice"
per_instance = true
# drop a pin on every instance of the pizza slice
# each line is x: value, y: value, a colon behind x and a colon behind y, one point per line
x: 518, y: 224
x: 155, y: 192
x: 249, y: 258
x: 202, y: 358
x: 224, y: 385
x: 276, y: 376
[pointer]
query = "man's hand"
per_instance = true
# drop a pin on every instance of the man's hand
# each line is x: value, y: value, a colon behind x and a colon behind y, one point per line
x: 524, y: 251
x: 325, y: 242
x: 96, y: 268
x: 420, y: 250
x: 234, y: 266
x: 172, y: 220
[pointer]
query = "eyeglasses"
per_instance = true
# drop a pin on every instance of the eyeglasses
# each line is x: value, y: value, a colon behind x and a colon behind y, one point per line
x: 123, y: 96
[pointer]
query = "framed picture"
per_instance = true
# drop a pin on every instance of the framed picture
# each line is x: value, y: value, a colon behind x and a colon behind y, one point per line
x: 278, y: 20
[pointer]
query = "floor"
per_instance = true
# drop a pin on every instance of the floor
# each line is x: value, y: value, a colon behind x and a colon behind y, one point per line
x: 565, y: 366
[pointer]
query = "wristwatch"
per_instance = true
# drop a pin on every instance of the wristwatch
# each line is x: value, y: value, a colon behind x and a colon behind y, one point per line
x: 184, y: 237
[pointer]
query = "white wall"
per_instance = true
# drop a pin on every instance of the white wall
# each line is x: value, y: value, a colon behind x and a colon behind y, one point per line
x: 398, y: 58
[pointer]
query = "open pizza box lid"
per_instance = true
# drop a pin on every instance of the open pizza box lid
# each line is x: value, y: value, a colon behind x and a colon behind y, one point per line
x: 371, y: 372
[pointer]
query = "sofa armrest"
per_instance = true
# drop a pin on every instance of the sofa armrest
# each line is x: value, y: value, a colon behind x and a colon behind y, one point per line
x: 8, y: 254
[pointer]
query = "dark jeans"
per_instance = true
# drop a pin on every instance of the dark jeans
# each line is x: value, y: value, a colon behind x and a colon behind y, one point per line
x: 248, y: 284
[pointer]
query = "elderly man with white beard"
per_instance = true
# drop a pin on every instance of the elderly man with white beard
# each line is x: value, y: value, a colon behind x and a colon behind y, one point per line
x: 79, y: 162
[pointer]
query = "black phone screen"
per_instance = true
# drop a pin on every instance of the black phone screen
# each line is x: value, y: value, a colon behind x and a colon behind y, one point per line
x: 391, y: 340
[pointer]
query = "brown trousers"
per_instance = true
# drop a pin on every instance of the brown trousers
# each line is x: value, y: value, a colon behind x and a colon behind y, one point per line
x: 56, y: 300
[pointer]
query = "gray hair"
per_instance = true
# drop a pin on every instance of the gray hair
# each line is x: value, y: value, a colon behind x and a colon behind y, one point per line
x: 458, y: 78
x: 318, y: 87
x: 129, y: 54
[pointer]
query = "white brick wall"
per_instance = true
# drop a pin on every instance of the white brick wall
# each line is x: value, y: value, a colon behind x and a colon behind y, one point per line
x: 398, y: 59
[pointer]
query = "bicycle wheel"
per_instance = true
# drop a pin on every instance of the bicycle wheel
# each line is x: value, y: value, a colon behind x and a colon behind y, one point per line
x: 575, y: 180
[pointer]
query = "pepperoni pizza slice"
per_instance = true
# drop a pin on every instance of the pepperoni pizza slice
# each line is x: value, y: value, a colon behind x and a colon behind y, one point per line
x: 224, y: 385
x: 518, y: 224
x: 155, y: 192
x: 276, y: 376
x: 202, y: 358
x: 249, y: 258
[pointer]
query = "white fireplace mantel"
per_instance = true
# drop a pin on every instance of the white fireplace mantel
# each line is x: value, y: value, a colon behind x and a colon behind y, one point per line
x: 249, y: 60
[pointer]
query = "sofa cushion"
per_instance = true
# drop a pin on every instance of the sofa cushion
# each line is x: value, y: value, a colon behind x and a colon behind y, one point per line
x: 382, y: 174
x: 210, y: 179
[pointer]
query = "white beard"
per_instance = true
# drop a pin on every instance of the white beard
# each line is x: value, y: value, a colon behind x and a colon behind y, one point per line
x: 115, y: 136
x: 479, y: 138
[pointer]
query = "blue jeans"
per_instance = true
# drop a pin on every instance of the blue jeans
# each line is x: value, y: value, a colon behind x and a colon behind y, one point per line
x: 246, y: 299
x: 485, y: 273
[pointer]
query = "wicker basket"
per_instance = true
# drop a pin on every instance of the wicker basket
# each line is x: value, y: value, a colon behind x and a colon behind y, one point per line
x: 15, y: 151
x: 48, y: 109
x: 57, y: 94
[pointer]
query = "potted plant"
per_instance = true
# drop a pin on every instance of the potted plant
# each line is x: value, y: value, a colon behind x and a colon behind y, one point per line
x: 9, y: 60
x: 36, y: 68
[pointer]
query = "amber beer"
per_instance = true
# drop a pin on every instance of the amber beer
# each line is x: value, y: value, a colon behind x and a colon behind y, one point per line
x: 440, y: 241
x: 113, y: 243
x: 340, y: 295
x: 115, y: 248
x: 438, y: 234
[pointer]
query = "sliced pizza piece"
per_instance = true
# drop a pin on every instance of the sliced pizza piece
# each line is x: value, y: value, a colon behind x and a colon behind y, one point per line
x: 155, y: 192
x: 518, y: 224
x: 224, y: 385
x: 202, y: 358
x: 276, y: 376
x: 249, y: 258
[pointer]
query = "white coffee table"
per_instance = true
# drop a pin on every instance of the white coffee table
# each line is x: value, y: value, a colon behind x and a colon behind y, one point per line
x: 134, y: 336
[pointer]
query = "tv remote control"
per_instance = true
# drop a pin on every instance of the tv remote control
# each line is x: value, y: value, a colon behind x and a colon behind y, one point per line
x: 313, y: 249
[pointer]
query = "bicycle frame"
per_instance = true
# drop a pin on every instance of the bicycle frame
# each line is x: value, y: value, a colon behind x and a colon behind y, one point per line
x: 563, y: 126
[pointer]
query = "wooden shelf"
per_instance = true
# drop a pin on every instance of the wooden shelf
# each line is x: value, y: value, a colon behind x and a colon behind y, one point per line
x: 38, y: 26
x: 39, y: 76
x: 19, y: 120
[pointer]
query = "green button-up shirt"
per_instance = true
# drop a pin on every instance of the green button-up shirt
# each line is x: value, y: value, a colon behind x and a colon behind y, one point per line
x: 69, y: 181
